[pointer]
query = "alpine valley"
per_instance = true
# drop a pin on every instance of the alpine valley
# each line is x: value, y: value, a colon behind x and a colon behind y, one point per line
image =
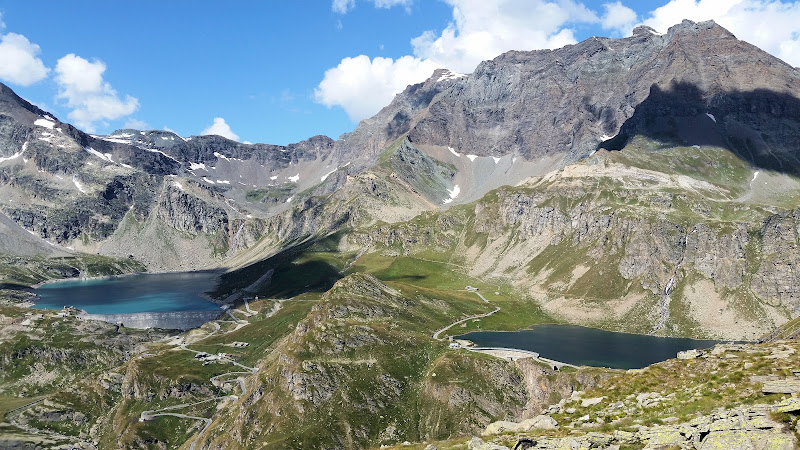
x: 649, y: 185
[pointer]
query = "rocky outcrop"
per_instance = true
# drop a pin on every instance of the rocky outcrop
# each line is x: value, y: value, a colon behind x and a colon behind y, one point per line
x: 541, y: 422
x: 744, y: 427
x: 186, y: 212
x: 776, y: 279
x: 69, y: 218
x: 425, y: 175
x: 372, y: 135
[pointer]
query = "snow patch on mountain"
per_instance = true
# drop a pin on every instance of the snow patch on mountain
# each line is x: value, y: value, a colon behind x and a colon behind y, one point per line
x: 78, y: 185
x: 453, y: 194
x: 14, y: 156
x: 152, y: 150
x: 325, y: 177
x: 104, y: 157
x: 44, y: 123
x: 448, y: 75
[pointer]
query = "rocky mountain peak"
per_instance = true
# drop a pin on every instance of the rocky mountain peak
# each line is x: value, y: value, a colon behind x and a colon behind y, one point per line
x: 15, y: 106
x: 644, y: 30
x: 687, y: 27
x: 567, y: 102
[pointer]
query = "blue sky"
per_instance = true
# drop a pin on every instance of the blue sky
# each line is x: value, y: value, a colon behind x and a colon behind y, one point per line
x: 282, y: 71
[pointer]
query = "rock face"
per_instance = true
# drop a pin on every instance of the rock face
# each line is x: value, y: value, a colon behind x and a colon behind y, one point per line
x: 393, y: 121
x: 425, y: 175
x: 189, y: 213
x: 692, y: 85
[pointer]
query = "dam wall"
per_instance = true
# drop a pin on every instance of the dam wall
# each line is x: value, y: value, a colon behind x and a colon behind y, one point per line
x: 174, y: 320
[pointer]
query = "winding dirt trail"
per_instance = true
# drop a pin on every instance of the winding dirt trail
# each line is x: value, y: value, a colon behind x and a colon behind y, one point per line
x: 215, y: 380
x: 477, y: 316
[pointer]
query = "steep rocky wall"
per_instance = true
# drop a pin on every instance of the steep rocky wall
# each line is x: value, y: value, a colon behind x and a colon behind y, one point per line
x: 186, y: 212
x: 571, y: 247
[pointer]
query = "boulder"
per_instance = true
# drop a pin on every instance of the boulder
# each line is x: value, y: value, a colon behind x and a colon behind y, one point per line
x: 788, y: 405
x: 591, y: 401
x: 661, y: 436
x: 747, y: 440
x: 624, y: 437
x: 646, y: 399
x: 540, y: 422
x: 785, y: 386
x: 501, y: 426
x: 690, y: 354
x: 477, y: 443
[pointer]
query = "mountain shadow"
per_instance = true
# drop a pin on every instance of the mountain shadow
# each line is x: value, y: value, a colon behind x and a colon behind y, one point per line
x: 296, y: 270
x: 760, y: 126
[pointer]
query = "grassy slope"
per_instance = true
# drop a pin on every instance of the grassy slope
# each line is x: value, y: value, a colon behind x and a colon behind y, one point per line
x: 366, y: 354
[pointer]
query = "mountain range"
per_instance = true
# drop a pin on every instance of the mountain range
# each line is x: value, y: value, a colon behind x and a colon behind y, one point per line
x: 648, y: 184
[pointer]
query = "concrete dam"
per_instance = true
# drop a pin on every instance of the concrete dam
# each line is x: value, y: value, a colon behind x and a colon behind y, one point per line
x: 173, y: 320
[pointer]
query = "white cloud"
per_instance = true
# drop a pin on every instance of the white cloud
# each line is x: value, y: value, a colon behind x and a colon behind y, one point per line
x: 342, y: 6
x: 2, y: 24
x: 619, y: 18
x: 136, y: 124
x: 166, y: 128
x: 773, y: 25
x: 392, y: 3
x: 362, y: 86
x: 220, y: 128
x: 479, y: 30
x: 81, y: 85
x: 20, y: 60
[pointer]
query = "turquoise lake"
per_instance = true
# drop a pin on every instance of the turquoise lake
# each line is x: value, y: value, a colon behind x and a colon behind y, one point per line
x: 588, y: 346
x: 131, y: 294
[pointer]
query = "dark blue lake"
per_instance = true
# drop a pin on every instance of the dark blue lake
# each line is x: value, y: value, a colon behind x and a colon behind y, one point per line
x: 588, y: 346
x: 131, y: 294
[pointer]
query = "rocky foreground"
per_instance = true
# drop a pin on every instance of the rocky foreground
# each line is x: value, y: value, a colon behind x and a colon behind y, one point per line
x: 731, y: 397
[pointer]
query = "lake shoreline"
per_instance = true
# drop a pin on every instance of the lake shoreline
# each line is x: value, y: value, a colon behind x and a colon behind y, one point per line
x: 142, y: 292
x: 122, y: 275
x: 587, y: 346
